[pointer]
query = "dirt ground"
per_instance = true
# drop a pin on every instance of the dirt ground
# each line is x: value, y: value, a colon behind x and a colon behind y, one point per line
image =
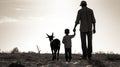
x: 45, y: 60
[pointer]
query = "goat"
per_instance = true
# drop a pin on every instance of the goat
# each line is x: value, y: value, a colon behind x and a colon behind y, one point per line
x: 55, y: 46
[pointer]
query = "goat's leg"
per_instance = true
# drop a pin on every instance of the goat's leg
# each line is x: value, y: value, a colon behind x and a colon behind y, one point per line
x: 52, y: 51
x: 58, y: 55
x: 55, y: 54
x: 52, y: 54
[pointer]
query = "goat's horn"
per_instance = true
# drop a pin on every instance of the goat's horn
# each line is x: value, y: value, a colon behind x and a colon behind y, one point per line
x: 47, y: 35
x: 52, y: 33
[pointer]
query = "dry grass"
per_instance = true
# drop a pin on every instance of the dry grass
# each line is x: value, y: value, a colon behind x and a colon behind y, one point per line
x: 44, y: 60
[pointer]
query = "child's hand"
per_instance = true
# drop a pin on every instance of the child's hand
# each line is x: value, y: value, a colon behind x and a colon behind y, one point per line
x: 75, y: 33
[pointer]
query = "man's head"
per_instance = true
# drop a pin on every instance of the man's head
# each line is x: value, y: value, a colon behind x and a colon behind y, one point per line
x: 83, y: 3
x: 67, y: 31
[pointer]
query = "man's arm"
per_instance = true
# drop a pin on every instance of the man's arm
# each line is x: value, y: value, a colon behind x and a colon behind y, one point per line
x: 75, y: 27
x: 76, y: 22
x: 94, y: 23
x: 94, y: 29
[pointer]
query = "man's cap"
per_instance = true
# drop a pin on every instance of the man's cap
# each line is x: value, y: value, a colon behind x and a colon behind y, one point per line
x: 83, y: 3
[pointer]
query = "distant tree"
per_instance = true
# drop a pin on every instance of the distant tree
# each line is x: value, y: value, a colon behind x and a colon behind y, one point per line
x: 38, y: 50
x: 15, y: 50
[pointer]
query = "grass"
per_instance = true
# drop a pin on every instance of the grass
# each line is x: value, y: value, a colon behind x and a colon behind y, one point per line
x: 45, y: 60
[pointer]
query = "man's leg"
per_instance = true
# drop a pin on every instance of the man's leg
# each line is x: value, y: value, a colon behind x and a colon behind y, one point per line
x: 89, y: 45
x: 83, y: 41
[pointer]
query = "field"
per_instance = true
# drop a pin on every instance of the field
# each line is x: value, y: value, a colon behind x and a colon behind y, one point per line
x: 44, y: 60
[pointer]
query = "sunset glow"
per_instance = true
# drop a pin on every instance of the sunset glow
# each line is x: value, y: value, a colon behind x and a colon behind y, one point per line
x: 24, y: 24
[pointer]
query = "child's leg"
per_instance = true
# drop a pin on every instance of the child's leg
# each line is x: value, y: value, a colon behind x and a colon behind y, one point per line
x: 66, y: 54
x: 70, y: 56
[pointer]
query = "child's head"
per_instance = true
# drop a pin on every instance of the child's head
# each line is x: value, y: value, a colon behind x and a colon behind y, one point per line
x: 67, y: 31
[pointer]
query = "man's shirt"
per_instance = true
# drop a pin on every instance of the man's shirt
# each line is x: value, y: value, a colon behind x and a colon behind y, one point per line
x: 85, y: 18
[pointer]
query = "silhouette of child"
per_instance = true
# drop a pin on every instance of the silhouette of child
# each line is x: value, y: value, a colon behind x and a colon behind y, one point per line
x: 68, y: 44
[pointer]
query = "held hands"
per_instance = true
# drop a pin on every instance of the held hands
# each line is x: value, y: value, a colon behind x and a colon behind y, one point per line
x: 94, y: 31
x: 74, y: 30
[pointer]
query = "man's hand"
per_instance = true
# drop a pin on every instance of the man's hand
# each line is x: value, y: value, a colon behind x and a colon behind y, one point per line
x: 94, y: 31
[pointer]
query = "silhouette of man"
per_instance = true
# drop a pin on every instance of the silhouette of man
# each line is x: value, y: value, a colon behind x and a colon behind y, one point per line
x: 85, y: 18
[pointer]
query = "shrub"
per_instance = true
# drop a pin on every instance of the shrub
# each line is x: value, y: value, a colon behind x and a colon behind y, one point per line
x: 15, y: 50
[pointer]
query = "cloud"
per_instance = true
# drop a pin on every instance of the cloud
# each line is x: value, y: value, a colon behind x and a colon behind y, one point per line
x: 29, y: 19
x: 7, y: 20
x: 19, y: 9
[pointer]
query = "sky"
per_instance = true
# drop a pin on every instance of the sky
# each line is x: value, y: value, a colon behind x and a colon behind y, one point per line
x: 24, y: 24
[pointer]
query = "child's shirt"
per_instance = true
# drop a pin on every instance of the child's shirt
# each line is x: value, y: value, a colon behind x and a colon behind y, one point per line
x: 67, y: 41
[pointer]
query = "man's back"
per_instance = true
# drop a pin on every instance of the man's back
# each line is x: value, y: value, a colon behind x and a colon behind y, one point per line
x: 86, y: 16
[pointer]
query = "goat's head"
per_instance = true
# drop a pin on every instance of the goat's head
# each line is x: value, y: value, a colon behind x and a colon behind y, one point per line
x: 50, y: 37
